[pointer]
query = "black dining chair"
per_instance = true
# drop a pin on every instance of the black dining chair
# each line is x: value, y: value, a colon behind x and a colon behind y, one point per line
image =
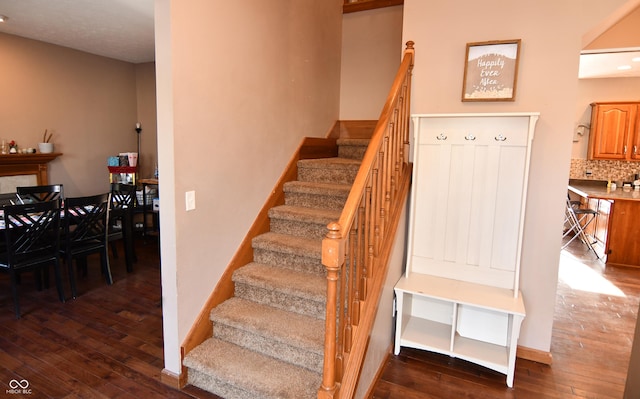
x: 42, y: 193
x: 31, y: 242
x: 123, y: 198
x: 85, y: 232
x: 8, y: 199
x: 577, y: 220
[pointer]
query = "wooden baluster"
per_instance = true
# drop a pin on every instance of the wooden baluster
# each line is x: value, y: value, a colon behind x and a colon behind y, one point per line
x: 333, y: 252
x: 357, y: 237
x: 393, y: 164
x: 366, y: 259
x: 379, y: 201
x: 342, y: 309
x: 351, y: 294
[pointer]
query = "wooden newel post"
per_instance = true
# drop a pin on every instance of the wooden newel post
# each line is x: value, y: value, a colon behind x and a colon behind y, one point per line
x: 333, y: 252
x: 411, y: 50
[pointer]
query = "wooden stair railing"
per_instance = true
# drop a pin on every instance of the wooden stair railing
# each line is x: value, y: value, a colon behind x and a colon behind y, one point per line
x: 356, y: 249
x: 363, y: 5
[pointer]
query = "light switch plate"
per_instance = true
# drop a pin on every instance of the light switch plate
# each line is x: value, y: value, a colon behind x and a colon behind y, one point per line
x: 190, y: 200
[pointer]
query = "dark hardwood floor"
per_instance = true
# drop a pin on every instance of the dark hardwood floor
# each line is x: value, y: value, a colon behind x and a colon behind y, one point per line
x: 595, y: 316
x: 107, y: 343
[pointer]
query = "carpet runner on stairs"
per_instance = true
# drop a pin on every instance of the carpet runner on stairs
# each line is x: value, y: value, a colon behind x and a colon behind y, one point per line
x: 268, y: 339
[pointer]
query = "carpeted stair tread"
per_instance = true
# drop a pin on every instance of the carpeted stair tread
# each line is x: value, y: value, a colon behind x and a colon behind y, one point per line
x: 288, y: 244
x: 330, y: 163
x: 303, y: 214
x: 301, y: 221
x: 287, y: 289
x: 275, y: 324
x: 328, y: 170
x: 233, y: 372
x: 352, y: 148
x: 363, y: 142
x: 316, y: 194
x: 300, y: 284
x: 320, y: 188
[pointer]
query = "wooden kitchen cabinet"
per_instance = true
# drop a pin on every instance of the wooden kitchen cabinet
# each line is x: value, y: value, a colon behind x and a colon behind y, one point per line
x: 598, y: 229
x: 635, y: 141
x: 602, y: 221
x: 617, y: 221
x: 615, y: 131
x: 623, y: 247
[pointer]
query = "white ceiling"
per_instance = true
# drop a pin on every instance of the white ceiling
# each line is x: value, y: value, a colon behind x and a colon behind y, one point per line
x: 605, y: 63
x: 120, y: 29
x: 123, y: 29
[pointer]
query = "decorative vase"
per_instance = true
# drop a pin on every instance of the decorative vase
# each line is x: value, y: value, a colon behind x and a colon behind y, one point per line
x: 45, y: 148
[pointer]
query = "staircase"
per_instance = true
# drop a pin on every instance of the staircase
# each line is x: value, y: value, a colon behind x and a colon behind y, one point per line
x: 268, y: 338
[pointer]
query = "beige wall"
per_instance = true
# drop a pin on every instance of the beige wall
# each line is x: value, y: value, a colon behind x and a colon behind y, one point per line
x: 87, y: 101
x: 551, y: 33
x: 371, y: 54
x: 382, y: 333
x: 239, y: 84
x: 146, y: 115
x: 599, y: 90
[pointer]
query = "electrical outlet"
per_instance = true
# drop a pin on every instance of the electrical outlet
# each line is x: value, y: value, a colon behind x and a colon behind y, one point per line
x: 190, y: 200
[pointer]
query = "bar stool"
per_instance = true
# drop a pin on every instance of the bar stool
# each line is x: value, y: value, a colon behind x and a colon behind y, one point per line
x: 578, y: 219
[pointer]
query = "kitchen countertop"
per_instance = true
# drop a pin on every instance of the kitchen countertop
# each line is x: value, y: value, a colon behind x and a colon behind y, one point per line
x: 598, y: 189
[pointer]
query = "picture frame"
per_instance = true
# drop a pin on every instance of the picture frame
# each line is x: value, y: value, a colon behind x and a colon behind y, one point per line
x: 491, y: 70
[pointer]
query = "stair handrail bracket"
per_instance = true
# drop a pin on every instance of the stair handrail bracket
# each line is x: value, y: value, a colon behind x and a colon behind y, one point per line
x: 356, y: 248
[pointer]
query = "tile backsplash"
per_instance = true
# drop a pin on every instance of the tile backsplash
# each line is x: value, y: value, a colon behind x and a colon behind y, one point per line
x: 603, y: 170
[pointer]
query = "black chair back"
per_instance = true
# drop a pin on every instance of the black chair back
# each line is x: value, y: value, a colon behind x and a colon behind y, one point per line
x: 123, y: 197
x: 31, y: 240
x: 44, y: 193
x: 85, y: 220
x: 8, y: 199
x: 85, y: 232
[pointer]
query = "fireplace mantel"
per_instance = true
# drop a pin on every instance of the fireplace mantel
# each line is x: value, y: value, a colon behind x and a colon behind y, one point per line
x: 27, y: 164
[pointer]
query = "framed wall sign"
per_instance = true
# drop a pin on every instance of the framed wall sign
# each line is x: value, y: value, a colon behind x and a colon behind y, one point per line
x: 491, y: 71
